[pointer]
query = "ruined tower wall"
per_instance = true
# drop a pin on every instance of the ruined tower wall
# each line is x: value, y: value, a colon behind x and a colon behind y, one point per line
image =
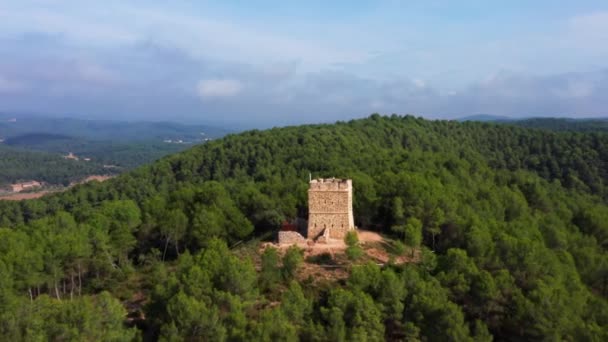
x: 336, y: 223
x: 330, y: 207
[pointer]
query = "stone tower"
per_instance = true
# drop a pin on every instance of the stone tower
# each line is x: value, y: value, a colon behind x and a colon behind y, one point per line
x: 330, y: 208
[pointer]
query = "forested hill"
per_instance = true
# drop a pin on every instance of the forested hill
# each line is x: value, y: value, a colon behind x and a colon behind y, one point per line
x: 516, y: 220
x: 565, y: 124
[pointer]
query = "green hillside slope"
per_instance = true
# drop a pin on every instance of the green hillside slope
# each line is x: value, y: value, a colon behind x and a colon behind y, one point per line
x: 513, y: 222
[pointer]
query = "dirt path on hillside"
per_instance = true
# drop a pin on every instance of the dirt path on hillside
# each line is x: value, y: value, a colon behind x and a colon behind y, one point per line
x: 333, y: 246
x: 20, y: 196
x: 24, y: 196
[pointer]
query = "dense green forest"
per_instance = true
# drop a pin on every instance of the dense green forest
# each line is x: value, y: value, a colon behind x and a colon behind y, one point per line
x: 513, y: 224
x: 22, y: 165
x: 553, y: 124
x: 563, y: 124
x: 547, y: 123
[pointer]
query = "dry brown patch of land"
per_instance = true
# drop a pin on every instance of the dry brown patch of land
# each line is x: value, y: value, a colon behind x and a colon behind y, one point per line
x: 20, y: 196
x: 366, y: 236
x: 98, y: 178
x: 327, y: 261
x: 366, y: 239
x: 24, y: 196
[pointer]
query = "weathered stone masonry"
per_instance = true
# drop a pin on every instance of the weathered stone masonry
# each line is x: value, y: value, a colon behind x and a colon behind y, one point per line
x: 291, y: 238
x: 330, y: 207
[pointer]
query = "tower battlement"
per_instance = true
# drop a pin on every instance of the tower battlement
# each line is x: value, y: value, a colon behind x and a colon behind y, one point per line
x: 330, y: 184
x: 330, y: 208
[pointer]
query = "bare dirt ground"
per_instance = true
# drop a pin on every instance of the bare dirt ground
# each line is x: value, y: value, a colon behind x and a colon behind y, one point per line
x: 368, y: 236
x: 373, y: 243
x: 23, y: 196
x: 332, y: 246
x: 20, y: 196
x: 327, y: 261
x: 98, y: 178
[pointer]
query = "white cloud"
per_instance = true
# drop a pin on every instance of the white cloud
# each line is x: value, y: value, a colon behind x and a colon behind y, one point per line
x: 595, y: 23
x: 11, y: 86
x: 82, y: 28
x: 200, y: 36
x: 580, y: 89
x: 587, y: 35
x: 94, y: 73
x: 219, y: 88
x: 419, y: 83
x: 377, y: 104
x: 241, y: 42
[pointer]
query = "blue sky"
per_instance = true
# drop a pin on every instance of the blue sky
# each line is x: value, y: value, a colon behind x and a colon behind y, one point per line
x: 267, y: 63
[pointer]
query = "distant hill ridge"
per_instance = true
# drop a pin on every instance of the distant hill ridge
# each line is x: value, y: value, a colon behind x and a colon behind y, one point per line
x: 486, y: 118
x: 14, y: 125
x: 37, y: 138
x: 550, y: 123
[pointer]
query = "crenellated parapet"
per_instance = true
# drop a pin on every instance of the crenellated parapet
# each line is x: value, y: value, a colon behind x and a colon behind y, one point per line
x: 330, y: 184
